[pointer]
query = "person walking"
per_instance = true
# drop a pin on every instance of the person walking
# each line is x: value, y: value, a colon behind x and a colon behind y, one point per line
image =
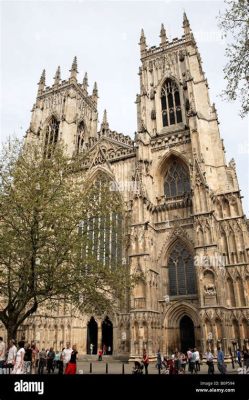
x: 42, y: 361
x: 27, y: 359
x: 72, y: 365
x: 11, y: 355
x: 19, y: 363
x: 50, y: 360
x: 145, y: 361
x: 210, y: 362
x: 246, y: 357
x: 239, y: 357
x: 159, y: 360
x: 66, y: 355
x: 197, y: 360
x: 220, y: 361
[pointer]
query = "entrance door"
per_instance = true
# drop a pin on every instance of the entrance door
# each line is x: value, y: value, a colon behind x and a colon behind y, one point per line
x: 187, y: 333
x: 92, y: 336
x: 107, y: 336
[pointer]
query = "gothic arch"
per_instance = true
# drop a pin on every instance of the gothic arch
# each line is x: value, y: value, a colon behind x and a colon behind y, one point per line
x: 177, y: 311
x: 230, y: 293
x: 171, y: 102
x: 162, y: 166
x: 240, y: 289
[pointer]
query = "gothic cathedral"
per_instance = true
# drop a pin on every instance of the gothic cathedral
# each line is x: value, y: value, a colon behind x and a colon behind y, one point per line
x: 187, y: 231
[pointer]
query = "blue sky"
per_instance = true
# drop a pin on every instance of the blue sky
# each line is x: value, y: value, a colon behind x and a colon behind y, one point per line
x: 104, y: 36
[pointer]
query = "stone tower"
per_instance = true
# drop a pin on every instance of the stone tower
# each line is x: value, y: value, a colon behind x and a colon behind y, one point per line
x: 187, y: 231
x: 190, y: 235
x: 65, y: 111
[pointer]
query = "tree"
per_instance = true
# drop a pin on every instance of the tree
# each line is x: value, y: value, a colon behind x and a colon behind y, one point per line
x: 235, y: 25
x: 47, y: 259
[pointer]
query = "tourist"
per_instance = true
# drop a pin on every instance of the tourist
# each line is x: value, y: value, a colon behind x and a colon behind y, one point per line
x: 145, y: 361
x: 35, y: 356
x: 239, y: 357
x: 11, y: 355
x: 183, y: 362
x: 246, y: 357
x: 100, y: 353
x: 220, y: 361
x: 2, y: 354
x: 19, y: 363
x: 50, y: 360
x: 210, y: 362
x: 71, y: 366
x: 158, y: 360
x: 191, y: 361
x: 42, y: 361
x: 197, y: 359
x: 66, y: 355
x: 27, y: 359
x: 91, y: 349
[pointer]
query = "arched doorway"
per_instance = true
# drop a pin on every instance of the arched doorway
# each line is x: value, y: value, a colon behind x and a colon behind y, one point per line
x: 92, y: 336
x: 107, y: 336
x: 187, y: 333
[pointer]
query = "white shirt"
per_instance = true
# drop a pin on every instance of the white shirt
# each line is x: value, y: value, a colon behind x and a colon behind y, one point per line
x: 197, y: 355
x: 66, y: 355
x: 2, y: 351
x: 12, y: 354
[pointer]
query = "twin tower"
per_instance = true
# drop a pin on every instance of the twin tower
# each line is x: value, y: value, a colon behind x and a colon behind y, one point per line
x: 187, y: 231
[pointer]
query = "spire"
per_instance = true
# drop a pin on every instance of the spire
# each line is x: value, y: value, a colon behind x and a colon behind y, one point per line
x: 95, y: 92
x: 74, y: 70
x: 85, y: 82
x: 105, y: 124
x: 57, y: 77
x: 186, y: 24
x: 42, y: 82
x: 163, y: 35
x: 142, y: 42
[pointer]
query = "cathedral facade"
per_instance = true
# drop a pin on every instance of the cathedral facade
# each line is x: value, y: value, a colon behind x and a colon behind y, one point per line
x: 187, y: 233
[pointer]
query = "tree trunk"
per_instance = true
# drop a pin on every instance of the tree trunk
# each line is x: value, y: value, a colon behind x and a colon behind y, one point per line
x: 11, y: 331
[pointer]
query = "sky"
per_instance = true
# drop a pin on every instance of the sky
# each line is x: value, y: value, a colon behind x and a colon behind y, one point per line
x: 104, y: 36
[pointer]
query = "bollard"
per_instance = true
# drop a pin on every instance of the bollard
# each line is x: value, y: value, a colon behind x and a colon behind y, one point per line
x: 106, y: 368
x: 123, y: 369
x: 91, y: 368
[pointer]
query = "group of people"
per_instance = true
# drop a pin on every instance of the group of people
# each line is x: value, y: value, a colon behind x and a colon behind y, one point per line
x: 26, y: 358
x: 178, y: 362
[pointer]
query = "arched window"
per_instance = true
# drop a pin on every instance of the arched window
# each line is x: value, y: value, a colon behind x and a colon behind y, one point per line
x: 171, y: 105
x: 182, y: 278
x: 102, y: 231
x: 176, y: 182
x: 80, y: 137
x: 51, y: 136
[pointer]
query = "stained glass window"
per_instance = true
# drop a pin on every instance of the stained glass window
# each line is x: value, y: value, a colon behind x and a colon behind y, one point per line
x: 176, y: 182
x: 51, y: 137
x: 182, y: 279
x: 170, y: 102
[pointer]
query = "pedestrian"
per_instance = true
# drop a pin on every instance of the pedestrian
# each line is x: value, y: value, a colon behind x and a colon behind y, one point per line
x: 50, y: 360
x: 19, y: 363
x: 246, y: 357
x: 159, y: 360
x: 220, y: 361
x: 197, y: 360
x: 109, y: 350
x: 11, y: 355
x: 183, y: 362
x: 66, y: 355
x: 191, y: 361
x: 210, y: 362
x: 239, y: 357
x: 27, y: 359
x: 100, y: 353
x: 2, y: 354
x: 91, y: 349
x: 145, y: 361
x: 71, y: 366
x: 42, y: 361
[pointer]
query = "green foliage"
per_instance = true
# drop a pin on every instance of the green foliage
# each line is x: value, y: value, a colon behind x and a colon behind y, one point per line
x: 235, y: 25
x: 45, y: 257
